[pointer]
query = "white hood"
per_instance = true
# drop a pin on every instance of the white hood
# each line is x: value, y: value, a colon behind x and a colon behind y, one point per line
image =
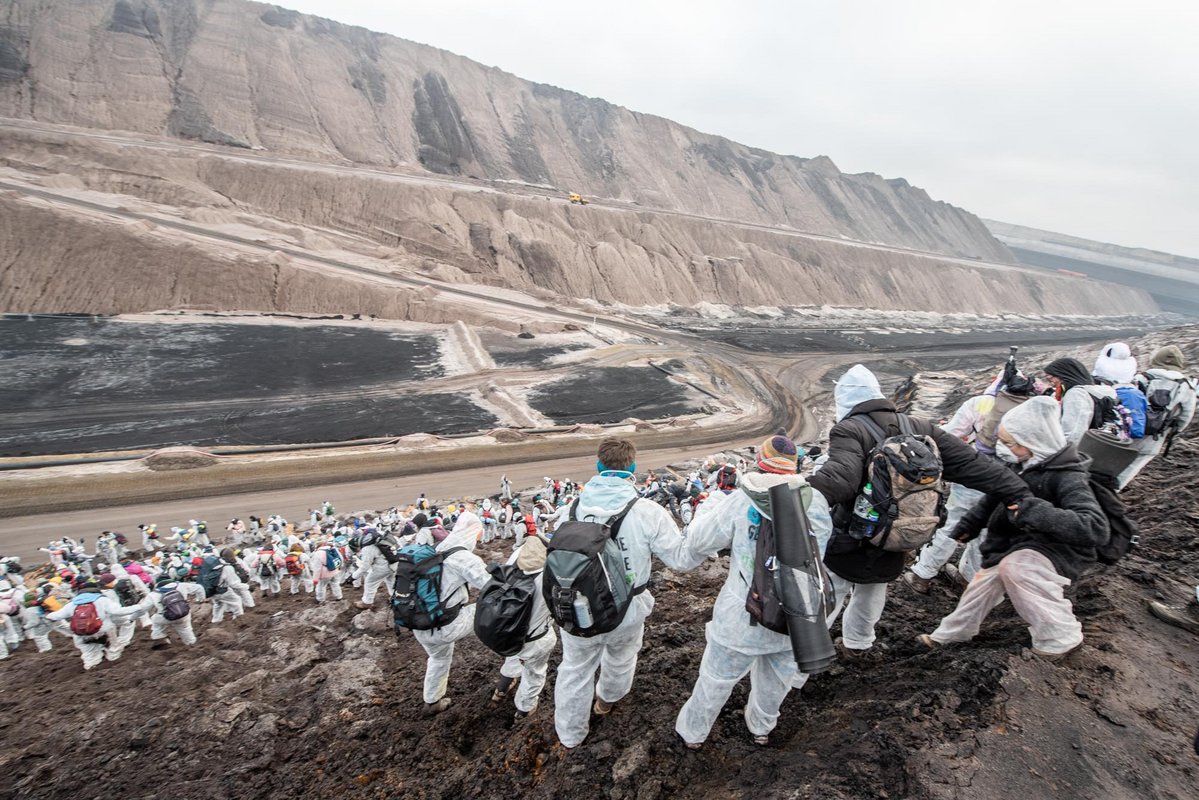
x: 466, y: 533
x: 1036, y: 424
x: 856, y: 386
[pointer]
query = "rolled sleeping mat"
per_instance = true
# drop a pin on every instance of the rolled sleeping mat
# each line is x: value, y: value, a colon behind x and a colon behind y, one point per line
x: 803, y: 585
x: 984, y: 440
x: 1110, y: 455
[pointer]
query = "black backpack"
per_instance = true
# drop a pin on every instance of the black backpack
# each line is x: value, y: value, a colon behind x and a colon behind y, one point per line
x: 416, y: 601
x: 763, y: 603
x: 389, y: 548
x: 209, y: 576
x: 267, y: 568
x: 174, y: 605
x: 504, y: 609
x: 1124, y: 531
x: 585, y: 582
x: 1163, y: 408
x: 126, y: 593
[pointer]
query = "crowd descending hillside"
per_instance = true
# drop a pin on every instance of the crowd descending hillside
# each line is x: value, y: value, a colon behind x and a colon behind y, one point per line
x: 298, y: 696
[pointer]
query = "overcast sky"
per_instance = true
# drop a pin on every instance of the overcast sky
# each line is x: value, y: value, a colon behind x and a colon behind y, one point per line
x: 1077, y: 117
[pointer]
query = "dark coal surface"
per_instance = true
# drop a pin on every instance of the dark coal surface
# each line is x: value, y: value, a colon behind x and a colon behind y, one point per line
x: 776, y: 338
x: 610, y: 394
x: 81, y: 385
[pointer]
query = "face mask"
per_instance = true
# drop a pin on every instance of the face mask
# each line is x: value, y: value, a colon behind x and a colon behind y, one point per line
x: 1005, y: 453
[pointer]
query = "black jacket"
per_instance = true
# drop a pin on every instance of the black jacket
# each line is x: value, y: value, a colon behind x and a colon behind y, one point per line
x: 844, y: 474
x: 1062, y: 520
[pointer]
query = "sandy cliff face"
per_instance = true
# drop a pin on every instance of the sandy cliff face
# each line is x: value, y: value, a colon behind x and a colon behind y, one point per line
x: 251, y: 75
x: 534, y: 244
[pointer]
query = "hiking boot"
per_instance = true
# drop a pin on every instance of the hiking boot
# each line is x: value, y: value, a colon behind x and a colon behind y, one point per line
x: 520, y: 716
x: 918, y: 584
x: 956, y: 577
x: 602, y: 708
x: 502, y: 689
x: 1184, y: 616
x: 1041, y: 654
x: 362, y: 605
x: 438, y: 707
x: 860, y: 656
x: 928, y: 641
x: 763, y: 740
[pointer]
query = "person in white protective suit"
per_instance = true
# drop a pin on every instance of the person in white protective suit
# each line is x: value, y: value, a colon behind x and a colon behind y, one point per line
x: 1075, y: 388
x: 374, y: 571
x: 266, y: 566
x: 11, y: 599
x: 94, y: 647
x: 153, y: 604
x: 1036, y: 546
x: 228, y: 601
x: 324, y: 577
x: 460, y: 569
x: 124, y: 618
x: 736, y: 647
x: 1163, y: 375
x: 647, y: 530
x: 37, y: 628
x: 532, y: 662
x: 964, y: 424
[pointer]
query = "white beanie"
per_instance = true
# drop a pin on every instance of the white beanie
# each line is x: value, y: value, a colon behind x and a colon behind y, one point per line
x: 856, y: 386
x: 1115, y: 364
x: 1036, y: 424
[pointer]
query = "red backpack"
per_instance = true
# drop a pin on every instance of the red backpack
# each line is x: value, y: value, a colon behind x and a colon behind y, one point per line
x: 530, y: 524
x: 85, y: 621
x: 295, y: 564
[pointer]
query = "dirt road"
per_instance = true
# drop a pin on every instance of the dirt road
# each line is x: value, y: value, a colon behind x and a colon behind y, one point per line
x: 23, y: 536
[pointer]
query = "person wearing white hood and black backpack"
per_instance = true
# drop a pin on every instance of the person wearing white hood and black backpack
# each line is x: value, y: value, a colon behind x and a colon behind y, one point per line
x: 1036, y: 545
x: 646, y: 529
x: 460, y: 568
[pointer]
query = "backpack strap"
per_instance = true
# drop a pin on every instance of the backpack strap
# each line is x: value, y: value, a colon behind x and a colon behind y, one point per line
x: 873, y: 428
x: 615, y: 522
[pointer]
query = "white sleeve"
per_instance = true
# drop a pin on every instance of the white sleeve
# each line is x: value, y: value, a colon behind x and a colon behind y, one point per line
x: 713, y: 526
x: 1077, y: 409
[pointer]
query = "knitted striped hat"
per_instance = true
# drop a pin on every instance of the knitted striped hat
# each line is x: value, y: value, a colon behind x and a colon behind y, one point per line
x: 778, y: 454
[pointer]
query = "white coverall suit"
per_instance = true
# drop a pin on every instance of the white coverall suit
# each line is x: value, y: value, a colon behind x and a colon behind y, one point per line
x: 272, y: 563
x: 735, y: 647
x: 37, y: 627
x: 533, y: 660
x: 964, y: 424
x: 374, y: 572
x: 457, y: 571
x: 229, y: 600
x: 648, y: 530
x: 91, y: 648
x: 160, y: 626
x: 322, y: 576
x: 1149, y: 446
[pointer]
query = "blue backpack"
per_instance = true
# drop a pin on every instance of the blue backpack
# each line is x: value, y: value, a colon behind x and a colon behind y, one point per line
x: 332, y: 559
x: 416, y: 595
x: 1134, y: 402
